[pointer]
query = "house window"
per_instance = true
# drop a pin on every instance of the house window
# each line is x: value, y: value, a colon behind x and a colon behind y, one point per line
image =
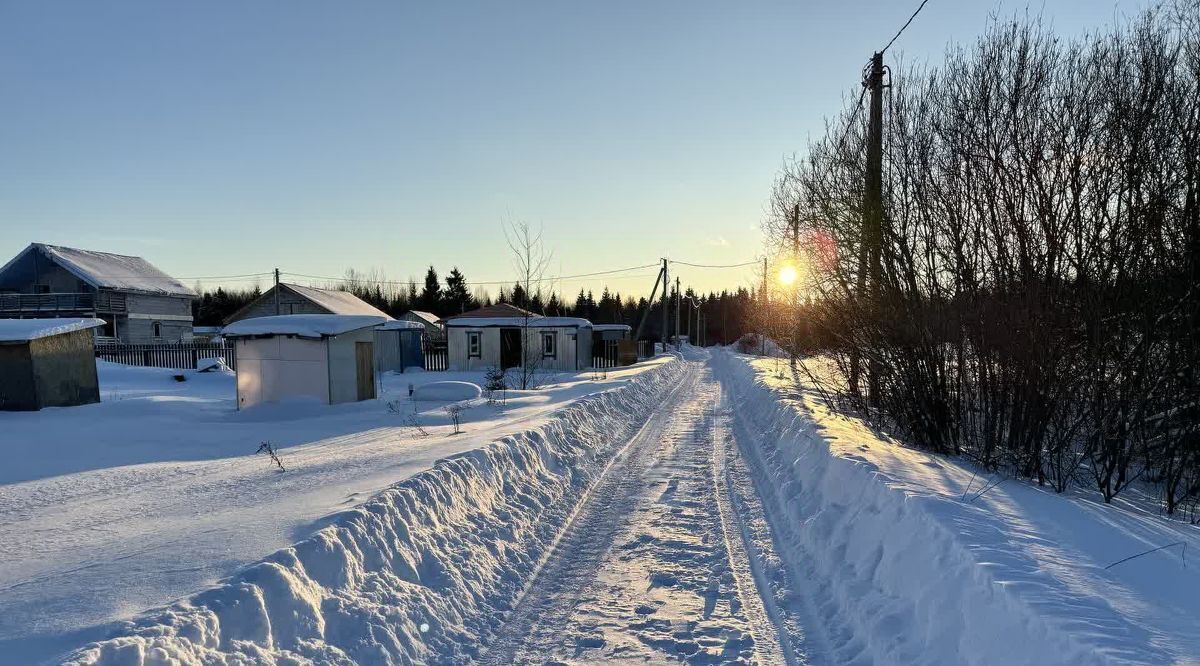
x: 158, y: 329
x: 474, y: 344
x: 41, y: 288
x: 548, y: 345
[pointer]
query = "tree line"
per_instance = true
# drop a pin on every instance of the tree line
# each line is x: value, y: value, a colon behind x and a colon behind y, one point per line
x: 727, y: 315
x: 1036, y: 308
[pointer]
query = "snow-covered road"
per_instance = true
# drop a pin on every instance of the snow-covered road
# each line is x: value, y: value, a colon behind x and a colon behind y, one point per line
x: 662, y: 559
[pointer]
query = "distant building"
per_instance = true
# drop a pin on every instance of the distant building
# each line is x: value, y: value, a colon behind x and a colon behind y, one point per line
x: 491, y: 336
x: 431, y: 322
x: 329, y: 358
x: 398, y: 346
x: 295, y: 299
x: 47, y: 363
x: 137, y: 302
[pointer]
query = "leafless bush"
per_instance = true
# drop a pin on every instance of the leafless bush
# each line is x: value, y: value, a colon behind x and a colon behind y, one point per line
x: 1037, y: 309
x: 269, y: 449
x: 454, y: 411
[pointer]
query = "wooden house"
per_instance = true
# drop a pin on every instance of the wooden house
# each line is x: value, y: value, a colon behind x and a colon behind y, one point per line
x: 47, y: 363
x: 506, y: 336
x: 297, y: 299
x: 137, y: 302
x: 329, y: 358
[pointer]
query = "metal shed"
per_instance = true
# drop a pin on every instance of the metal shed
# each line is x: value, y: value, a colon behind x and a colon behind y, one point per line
x: 327, y: 357
x: 505, y: 336
x: 398, y: 346
x: 47, y: 363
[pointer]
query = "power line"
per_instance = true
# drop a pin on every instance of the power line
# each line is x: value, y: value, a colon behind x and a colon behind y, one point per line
x: 684, y: 263
x: 903, y: 27
x: 479, y: 283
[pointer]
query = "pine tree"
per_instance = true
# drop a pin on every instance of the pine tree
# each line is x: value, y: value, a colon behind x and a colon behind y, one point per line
x: 457, y: 299
x: 431, y: 296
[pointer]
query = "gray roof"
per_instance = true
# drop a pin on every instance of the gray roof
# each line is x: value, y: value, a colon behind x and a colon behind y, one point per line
x: 105, y: 270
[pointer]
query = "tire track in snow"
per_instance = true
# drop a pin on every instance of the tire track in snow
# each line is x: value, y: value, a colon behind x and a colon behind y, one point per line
x: 572, y: 562
x: 773, y: 644
x: 658, y: 561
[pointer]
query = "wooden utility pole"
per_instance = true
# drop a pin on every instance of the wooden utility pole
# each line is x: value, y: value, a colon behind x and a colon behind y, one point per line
x: 678, y: 298
x: 666, y: 282
x: 650, y: 305
x: 276, y: 291
x: 766, y: 308
x: 873, y: 210
x: 796, y: 284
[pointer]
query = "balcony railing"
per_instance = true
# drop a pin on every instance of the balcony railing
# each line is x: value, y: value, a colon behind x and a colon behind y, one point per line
x: 61, y: 303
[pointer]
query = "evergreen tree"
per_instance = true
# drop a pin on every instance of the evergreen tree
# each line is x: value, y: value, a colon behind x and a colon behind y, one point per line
x: 457, y: 299
x: 431, y: 296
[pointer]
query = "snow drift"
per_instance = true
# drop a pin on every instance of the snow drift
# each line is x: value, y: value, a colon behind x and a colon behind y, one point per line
x: 421, y: 573
x: 895, y: 568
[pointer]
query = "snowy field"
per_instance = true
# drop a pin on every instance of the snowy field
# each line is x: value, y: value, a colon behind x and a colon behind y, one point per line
x: 108, y: 510
x: 697, y: 509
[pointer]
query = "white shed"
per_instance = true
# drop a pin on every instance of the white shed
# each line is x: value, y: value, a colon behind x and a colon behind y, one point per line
x: 327, y: 357
x: 496, y: 335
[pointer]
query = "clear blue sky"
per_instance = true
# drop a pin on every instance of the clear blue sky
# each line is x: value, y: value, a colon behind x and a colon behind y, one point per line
x: 230, y: 137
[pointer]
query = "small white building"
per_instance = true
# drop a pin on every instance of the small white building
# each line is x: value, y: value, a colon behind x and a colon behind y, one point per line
x: 494, y: 336
x: 327, y: 357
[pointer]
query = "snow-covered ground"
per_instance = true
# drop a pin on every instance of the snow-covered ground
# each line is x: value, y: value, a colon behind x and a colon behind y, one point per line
x: 107, y: 510
x: 704, y: 509
x: 897, y: 564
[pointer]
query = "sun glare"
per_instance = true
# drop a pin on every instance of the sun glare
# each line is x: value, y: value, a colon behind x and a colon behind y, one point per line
x: 787, y: 275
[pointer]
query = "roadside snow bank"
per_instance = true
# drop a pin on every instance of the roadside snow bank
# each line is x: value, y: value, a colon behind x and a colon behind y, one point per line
x: 421, y: 573
x: 896, y: 568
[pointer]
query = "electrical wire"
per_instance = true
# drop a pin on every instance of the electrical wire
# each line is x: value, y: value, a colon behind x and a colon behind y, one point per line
x: 479, y: 283
x: 905, y: 26
x: 685, y: 263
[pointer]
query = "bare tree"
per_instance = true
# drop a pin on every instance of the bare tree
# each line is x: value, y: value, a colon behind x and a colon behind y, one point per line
x: 530, y: 258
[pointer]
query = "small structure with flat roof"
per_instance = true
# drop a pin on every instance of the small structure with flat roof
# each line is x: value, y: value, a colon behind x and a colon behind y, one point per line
x: 47, y: 363
x: 505, y: 336
x: 326, y: 357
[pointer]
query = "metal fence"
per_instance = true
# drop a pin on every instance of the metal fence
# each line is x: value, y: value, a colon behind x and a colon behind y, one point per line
x: 181, y: 356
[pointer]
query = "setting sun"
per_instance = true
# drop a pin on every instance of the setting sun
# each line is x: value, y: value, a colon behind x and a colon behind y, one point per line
x: 787, y: 275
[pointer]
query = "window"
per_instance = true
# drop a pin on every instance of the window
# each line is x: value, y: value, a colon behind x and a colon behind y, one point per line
x: 474, y: 344
x: 41, y: 288
x: 158, y: 329
x: 548, y: 346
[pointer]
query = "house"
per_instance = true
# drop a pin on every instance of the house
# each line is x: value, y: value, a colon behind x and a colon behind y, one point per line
x: 493, y: 336
x: 398, y: 346
x: 47, y: 363
x: 327, y: 357
x: 431, y: 322
x: 298, y: 299
x: 137, y: 302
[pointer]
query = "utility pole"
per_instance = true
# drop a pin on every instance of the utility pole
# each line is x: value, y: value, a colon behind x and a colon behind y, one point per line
x: 796, y: 284
x: 766, y: 306
x: 666, y: 282
x: 276, y: 291
x: 678, y: 298
x: 873, y: 210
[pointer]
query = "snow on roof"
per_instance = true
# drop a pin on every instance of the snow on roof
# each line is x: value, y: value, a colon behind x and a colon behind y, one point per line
x: 338, y: 302
x: 303, y: 326
x: 114, y: 271
x: 537, y: 321
x: 427, y: 316
x: 21, y: 330
x: 401, y: 324
x: 611, y: 327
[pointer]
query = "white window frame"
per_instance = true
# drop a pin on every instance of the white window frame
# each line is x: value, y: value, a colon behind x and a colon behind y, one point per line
x: 474, y: 344
x: 551, y: 350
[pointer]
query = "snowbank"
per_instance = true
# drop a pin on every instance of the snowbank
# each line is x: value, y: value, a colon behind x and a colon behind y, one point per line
x: 421, y: 572
x: 446, y: 391
x: 898, y: 568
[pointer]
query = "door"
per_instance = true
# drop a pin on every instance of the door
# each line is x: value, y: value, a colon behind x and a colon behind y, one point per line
x: 510, y: 348
x: 364, y: 361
